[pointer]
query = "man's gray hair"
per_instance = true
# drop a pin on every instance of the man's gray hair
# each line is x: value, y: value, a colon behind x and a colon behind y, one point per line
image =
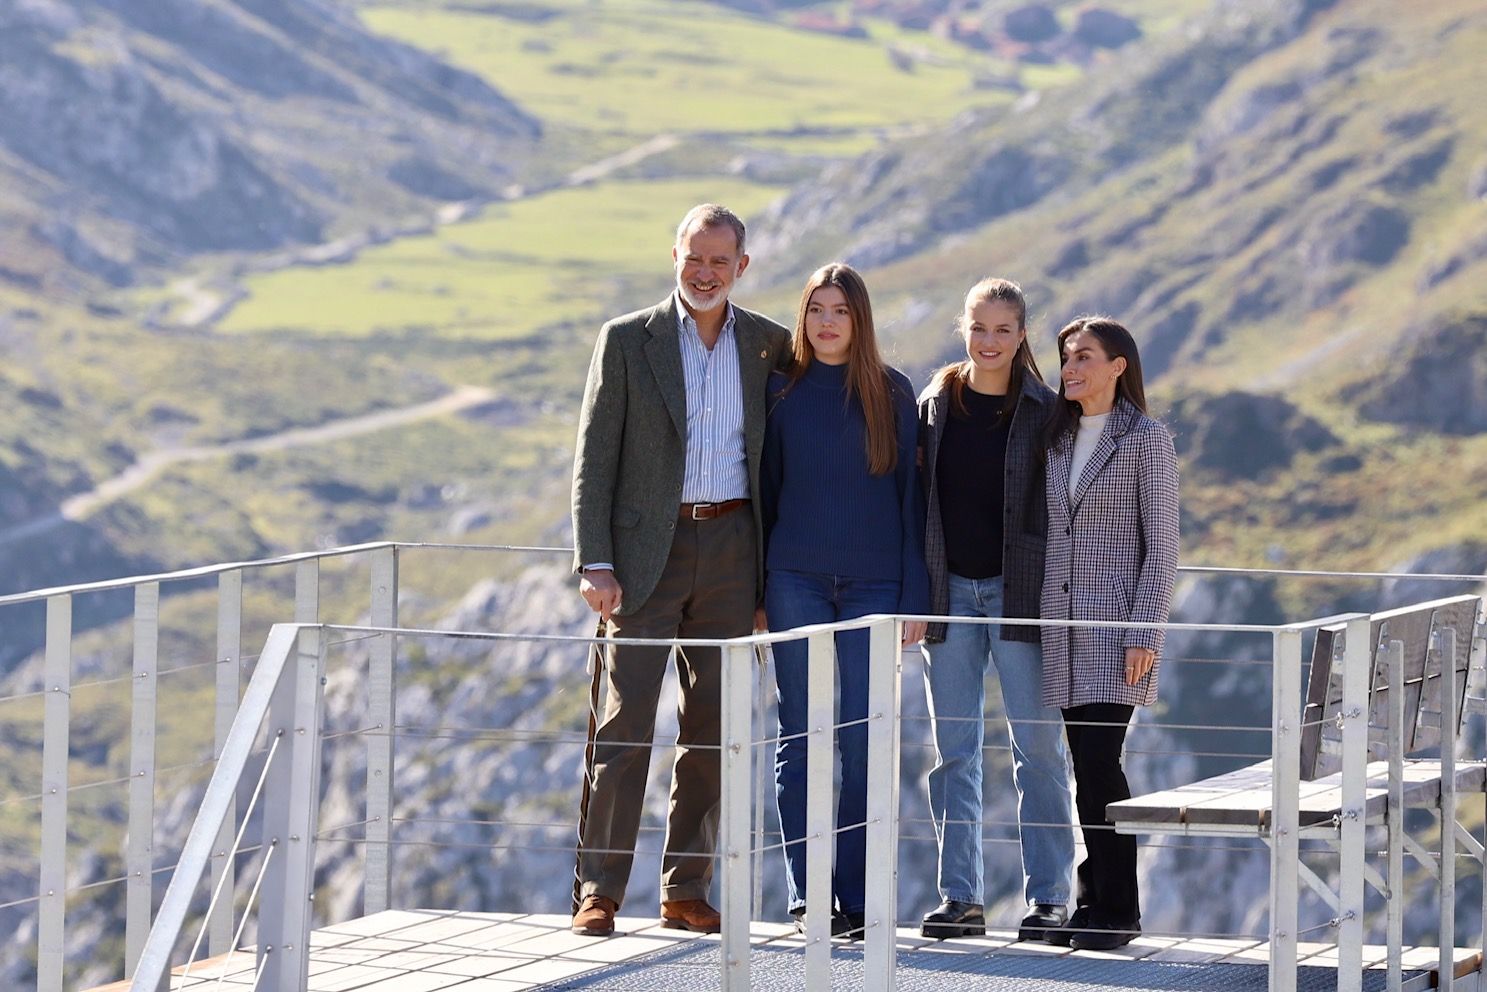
x: 706, y: 215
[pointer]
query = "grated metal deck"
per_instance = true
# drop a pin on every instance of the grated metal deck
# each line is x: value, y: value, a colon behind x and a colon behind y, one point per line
x: 451, y: 951
x: 781, y: 969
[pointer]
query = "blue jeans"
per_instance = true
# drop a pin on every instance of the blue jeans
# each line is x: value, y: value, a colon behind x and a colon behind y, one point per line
x: 954, y: 675
x: 794, y: 599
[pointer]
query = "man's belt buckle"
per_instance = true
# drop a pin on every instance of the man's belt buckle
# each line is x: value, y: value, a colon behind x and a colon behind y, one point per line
x: 704, y: 511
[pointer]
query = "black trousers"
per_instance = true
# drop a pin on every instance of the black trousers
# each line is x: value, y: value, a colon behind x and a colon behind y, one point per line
x: 1107, y: 876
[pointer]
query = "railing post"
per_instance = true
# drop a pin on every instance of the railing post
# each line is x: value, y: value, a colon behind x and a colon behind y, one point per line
x: 1394, y: 927
x: 820, y: 760
x: 1477, y: 661
x: 736, y: 737
x: 880, y: 910
x: 382, y: 709
x: 1285, y: 846
x: 56, y: 728
x: 291, y: 814
x: 1445, y: 649
x: 762, y: 773
x: 307, y: 591
x: 139, y: 854
x: 229, y: 682
x: 1356, y: 676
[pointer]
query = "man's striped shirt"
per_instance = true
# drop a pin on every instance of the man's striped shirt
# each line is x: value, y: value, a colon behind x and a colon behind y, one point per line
x: 717, y: 461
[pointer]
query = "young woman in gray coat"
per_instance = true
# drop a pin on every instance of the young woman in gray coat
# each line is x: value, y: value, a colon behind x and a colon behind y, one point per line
x: 1111, y: 555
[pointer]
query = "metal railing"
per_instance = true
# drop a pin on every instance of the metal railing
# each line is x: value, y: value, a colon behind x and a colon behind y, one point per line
x: 287, y: 866
x: 140, y: 855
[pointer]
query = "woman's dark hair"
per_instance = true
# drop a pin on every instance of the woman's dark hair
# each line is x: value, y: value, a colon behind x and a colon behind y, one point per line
x: 1116, y: 342
x: 867, y: 373
x: 954, y: 377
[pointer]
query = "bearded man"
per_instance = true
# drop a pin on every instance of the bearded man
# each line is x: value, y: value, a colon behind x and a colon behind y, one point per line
x: 668, y: 544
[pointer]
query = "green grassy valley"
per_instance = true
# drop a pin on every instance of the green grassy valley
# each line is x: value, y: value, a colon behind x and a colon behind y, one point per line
x: 548, y: 260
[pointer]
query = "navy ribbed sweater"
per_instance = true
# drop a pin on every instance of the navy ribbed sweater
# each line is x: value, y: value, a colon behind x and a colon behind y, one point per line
x: 822, y: 510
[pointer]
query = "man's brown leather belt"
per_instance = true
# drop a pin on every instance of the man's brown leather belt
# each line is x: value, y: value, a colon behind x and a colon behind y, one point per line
x: 707, y: 511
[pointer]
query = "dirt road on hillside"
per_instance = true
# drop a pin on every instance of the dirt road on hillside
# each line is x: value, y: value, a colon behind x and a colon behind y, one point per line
x: 150, y: 465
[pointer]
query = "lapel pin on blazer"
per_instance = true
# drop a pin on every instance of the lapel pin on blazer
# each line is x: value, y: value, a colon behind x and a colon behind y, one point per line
x: 764, y: 354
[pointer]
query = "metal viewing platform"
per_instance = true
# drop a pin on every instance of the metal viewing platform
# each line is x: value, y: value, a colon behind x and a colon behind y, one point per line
x: 427, y: 950
x: 241, y: 899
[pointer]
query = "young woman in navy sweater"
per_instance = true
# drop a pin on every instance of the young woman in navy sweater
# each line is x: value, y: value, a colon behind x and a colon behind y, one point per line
x: 844, y: 529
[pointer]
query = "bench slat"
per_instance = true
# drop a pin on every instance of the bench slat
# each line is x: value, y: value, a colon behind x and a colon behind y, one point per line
x: 1241, y: 798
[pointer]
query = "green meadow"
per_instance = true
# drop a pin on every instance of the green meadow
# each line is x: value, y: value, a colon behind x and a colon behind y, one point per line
x: 642, y: 67
x: 560, y: 255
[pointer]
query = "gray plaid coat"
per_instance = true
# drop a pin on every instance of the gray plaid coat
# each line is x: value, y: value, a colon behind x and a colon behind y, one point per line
x: 1026, y: 515
x: 1112, y: 555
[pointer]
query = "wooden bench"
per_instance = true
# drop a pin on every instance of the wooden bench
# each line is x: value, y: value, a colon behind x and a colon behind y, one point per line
x: 1411, y: 654
x: 1238, y: 802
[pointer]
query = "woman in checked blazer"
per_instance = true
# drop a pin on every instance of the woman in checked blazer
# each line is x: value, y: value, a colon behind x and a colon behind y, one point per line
x: 1111, y: 555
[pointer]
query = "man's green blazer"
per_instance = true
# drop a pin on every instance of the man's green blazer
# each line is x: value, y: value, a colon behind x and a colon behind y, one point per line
x: 632, y: 441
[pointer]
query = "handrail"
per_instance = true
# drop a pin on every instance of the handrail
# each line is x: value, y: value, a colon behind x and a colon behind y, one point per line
x: 206, y: 571
x: 865, y: 621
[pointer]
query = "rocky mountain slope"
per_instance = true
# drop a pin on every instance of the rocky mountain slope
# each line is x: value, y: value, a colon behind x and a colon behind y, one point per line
x: 140, y: 135
x: 1286, y: 199
x: 141, y: 141
x: 1270, y: 165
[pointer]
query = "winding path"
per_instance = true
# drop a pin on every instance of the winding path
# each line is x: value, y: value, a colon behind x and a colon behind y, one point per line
x: 150, y: 465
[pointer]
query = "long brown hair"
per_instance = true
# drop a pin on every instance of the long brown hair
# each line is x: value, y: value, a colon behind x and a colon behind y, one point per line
x: 867, y: 373
x: 1116, y: 342
x: 955, y: 377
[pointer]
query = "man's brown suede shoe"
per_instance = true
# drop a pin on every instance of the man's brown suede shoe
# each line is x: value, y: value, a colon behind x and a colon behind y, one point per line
x: 595, y: 916
x: 691, y: 914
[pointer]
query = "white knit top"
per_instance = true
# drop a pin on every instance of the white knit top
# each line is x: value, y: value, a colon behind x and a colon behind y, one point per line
x: 1085, y: 439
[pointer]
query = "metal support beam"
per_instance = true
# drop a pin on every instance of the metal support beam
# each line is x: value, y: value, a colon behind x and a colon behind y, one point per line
x: 229, y: 682
x: 1394, y: 929
x: 1467, y: 841
x: 1445, y: 647
x: 139, y: 850
x: 736, y: 737
x: 382, y: 712
x: 1320, y: 888
x: 1370, y: 875
x: 262, y: 689
x: 880, y: 908
x: 51, y: 946
x: 1357, y: 658
x: 1478, y: 662
x: 1285, y: 803
x: 291, y: 813
x: 820, y: 759
x: 763, y: 766
x: 1424, y: 856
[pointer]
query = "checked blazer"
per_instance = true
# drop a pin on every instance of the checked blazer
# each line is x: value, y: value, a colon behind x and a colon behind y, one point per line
x: 1112, y: 555
x: 632, y: 440
x: 1025, y: 517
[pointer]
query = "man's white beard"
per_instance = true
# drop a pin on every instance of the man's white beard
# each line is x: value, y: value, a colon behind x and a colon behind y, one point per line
x: 702, y: 304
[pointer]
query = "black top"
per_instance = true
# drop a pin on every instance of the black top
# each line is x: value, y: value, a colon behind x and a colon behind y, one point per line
x: 972, y: 462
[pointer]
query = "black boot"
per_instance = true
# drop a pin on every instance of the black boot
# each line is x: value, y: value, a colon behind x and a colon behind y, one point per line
x: 1040, y: 919
x: 953, y: 918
